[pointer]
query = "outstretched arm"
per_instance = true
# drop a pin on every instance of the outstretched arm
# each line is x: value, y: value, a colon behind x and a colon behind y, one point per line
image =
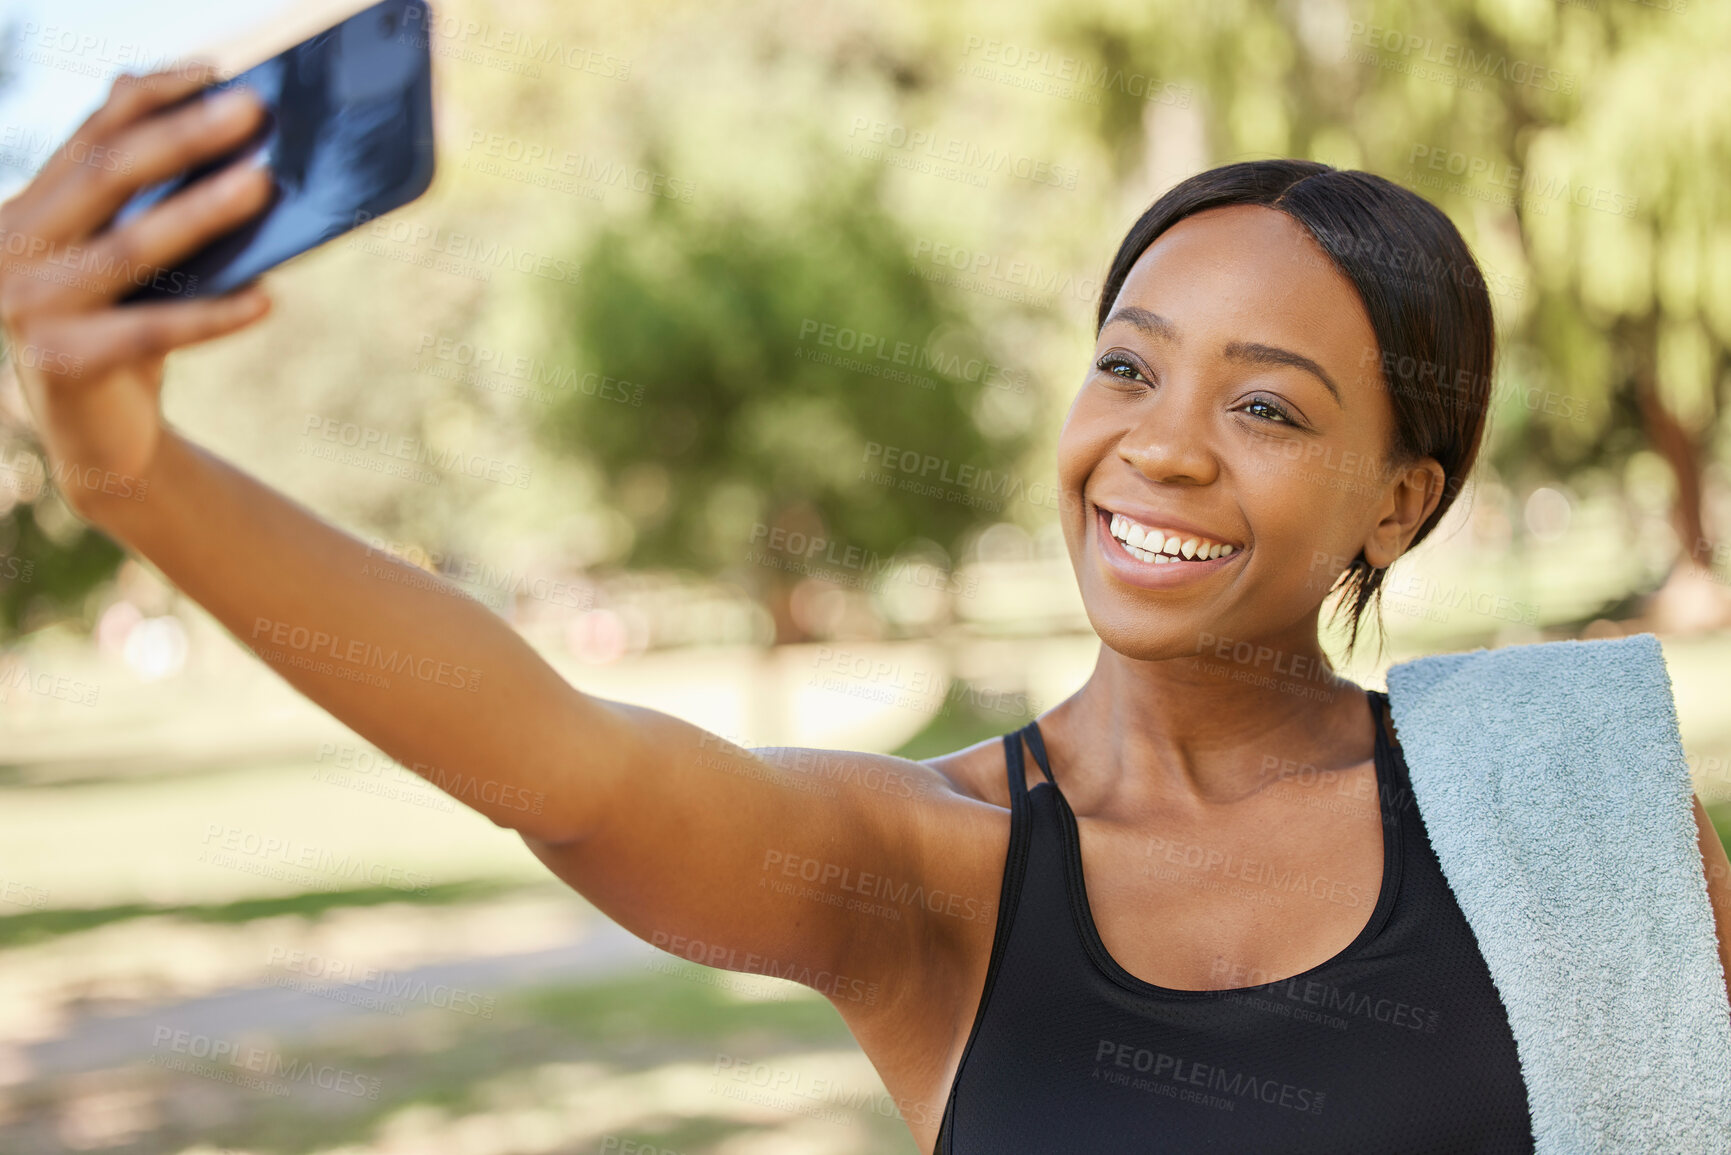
x: 430, y: 676
x: 674, y: 832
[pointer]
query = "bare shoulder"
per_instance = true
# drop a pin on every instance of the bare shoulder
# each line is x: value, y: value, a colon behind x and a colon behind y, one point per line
x: 976, y: 771
x: 824, y: 860
x: 922, y: 847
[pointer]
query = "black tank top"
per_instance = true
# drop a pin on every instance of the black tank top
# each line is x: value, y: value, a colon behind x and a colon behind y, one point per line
x: 1399, y: 1043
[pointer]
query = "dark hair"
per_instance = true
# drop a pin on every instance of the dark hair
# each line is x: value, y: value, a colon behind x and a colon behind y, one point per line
x: 1424, y: 294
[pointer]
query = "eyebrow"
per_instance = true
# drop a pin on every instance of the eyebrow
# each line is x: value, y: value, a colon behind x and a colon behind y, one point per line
x: 1150, y: 323
x: 1248, y: 352
x: 1254, y: 354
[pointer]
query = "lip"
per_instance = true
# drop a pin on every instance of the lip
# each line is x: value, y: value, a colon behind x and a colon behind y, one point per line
x: 1162, y: 521
x: 1151, y: 575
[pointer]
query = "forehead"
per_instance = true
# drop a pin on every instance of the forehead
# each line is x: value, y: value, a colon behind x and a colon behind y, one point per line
x: 1246, y: 272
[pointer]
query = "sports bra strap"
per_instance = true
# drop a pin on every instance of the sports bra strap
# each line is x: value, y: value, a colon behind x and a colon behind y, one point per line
x: 1015, y: 769
x: 1038, y: 745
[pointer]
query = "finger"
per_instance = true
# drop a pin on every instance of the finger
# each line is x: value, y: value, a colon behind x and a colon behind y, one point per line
x: 133, y: 97
x: 130, y: 97
x: 100, y: 342
x: 136, y: 253
x: 86, y: 196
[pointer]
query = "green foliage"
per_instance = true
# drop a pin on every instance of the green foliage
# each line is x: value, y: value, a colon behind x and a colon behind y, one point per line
x: 45, y: 576
x: 1580, y: 146
x: 758, y: 405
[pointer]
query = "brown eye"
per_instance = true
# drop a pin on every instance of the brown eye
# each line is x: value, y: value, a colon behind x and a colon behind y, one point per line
x: 1272, y: 412
x: 1115, y: 364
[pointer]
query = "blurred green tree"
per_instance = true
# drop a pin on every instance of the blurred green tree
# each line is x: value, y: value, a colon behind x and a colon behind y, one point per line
x: 787, y: 367
x: 1579, y: 145
x: 46, y: 571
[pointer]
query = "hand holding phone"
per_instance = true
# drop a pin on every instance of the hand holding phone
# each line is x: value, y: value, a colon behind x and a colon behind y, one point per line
x: 346, y: 116
x: 89, y: 368
x: 348, y: 135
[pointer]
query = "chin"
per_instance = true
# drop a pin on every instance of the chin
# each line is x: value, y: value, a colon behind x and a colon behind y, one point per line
x: 1140, y: 632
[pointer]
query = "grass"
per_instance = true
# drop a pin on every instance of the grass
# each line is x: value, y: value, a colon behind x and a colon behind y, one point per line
x: 38, y: 926
x: 620, y: 1039
x: 624, y: 1011
x: 962, y: 723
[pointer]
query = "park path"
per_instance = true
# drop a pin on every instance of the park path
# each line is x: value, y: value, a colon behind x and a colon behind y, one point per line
x: 96, y: 1042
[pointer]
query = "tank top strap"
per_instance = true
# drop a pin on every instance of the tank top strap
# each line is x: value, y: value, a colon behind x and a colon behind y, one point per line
x: 1037, y: 744
x: 1016, y: 769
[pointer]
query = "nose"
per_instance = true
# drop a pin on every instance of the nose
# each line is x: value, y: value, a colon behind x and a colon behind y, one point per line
x: 1171, y: 437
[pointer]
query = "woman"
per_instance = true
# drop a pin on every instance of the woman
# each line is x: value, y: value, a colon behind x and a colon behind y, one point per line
x: 1235, y: 832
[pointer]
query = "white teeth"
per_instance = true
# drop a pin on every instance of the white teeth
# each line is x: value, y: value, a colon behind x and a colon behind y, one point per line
x: 1153, y: 545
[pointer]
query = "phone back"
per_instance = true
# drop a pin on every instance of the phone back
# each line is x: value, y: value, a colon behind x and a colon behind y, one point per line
x: 348, y: 136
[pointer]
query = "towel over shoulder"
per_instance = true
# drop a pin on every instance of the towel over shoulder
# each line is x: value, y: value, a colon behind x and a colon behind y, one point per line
x: 1553, y: 785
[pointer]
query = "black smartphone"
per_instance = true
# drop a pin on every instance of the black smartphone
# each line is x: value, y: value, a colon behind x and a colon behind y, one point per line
x: 348, y: 135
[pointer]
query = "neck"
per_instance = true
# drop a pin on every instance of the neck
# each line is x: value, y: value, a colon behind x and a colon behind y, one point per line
x: 1207, y: 729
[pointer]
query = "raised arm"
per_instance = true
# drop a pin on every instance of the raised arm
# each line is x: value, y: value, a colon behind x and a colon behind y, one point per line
x: 679, y: 835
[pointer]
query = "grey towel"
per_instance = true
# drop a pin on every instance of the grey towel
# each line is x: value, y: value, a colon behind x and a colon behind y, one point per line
x: 1552, y: 781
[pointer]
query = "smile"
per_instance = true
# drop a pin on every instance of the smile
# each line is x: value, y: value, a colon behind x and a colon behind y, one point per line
x: 1157, y: 546
x: 1141, y: 553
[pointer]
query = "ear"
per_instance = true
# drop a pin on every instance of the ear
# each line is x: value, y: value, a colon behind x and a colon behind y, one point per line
x: 1414, y: 491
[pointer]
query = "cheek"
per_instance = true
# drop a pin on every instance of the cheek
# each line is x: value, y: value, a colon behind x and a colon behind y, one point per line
x: 1305, y: 516
x: 1084, y: 442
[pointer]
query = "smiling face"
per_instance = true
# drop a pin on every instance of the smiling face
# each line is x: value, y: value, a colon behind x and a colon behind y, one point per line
x: 1234, y: 401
